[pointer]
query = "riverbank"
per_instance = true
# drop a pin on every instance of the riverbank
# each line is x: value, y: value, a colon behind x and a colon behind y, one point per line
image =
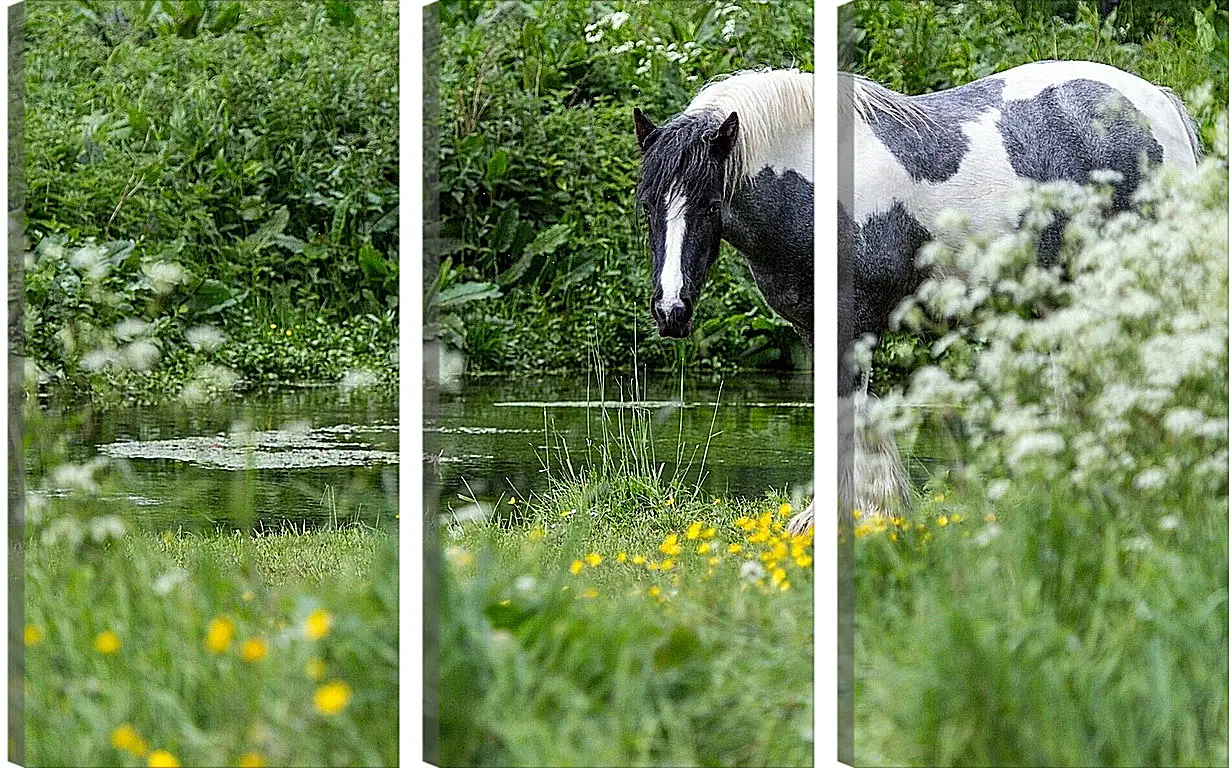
x: 223, y: 649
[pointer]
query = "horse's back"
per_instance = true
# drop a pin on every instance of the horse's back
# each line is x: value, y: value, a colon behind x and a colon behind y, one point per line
x: 1082, y: 87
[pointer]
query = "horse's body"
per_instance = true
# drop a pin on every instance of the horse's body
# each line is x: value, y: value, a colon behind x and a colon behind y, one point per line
x: 737, y: 165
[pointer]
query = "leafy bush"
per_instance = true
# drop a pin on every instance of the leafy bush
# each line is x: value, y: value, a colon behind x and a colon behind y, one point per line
x: 251, y: 149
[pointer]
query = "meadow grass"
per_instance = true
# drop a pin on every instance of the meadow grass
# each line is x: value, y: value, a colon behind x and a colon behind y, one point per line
x: 156, y: 649
x: 621, y: 620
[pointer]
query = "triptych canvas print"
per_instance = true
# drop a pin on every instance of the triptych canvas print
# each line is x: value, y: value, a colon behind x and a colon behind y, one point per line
x: 489, y: 383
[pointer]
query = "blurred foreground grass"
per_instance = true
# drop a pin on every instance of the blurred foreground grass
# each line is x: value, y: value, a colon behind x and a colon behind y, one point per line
x: 151, y: 649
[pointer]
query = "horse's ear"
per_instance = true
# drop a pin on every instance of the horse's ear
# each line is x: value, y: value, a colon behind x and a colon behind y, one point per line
x: 644, y: 128
x: 723, y: 140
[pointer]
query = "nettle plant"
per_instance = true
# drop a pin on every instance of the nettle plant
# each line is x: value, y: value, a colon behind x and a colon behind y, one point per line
x: 1111, y: 377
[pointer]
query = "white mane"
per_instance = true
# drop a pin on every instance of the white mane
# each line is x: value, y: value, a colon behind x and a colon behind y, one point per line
x: 861, y: 97
x: 771, y: 103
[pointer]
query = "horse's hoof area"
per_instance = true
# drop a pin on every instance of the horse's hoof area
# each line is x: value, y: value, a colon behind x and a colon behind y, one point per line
x: 802, y: 522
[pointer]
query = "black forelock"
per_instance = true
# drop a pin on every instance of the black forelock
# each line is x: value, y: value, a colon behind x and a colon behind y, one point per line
x: 679, y: 150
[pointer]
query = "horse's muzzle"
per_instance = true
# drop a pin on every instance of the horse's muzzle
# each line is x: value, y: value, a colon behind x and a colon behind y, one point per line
x: 674, y: 323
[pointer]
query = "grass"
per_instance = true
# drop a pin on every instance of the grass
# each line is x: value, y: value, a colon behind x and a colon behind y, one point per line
x: 277, y: 649
x: 621, y: 621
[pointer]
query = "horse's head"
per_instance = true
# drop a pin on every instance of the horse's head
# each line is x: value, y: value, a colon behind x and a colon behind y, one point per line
x: 683, y: 170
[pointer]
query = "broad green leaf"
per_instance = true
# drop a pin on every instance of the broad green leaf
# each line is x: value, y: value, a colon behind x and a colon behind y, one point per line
x: 462, y: 293
x: 497, y: 166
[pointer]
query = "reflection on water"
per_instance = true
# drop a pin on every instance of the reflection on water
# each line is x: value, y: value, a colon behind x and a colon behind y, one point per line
x: 741, y: 436
x: 303, y: 457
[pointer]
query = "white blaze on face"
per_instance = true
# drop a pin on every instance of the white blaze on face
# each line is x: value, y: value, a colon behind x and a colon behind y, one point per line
x: 672, y: 269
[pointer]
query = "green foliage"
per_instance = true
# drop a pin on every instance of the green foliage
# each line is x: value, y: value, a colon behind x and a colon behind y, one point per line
x: 252, y: 147
x: 539, y: 163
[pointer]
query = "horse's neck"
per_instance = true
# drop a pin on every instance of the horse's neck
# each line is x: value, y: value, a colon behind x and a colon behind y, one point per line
x: 770, y: 220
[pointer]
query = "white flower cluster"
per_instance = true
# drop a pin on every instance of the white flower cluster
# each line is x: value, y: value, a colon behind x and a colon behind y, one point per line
x: 1113, y: 374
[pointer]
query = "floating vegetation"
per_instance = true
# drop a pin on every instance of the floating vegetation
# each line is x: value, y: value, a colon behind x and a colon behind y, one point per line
x: 273, y: 449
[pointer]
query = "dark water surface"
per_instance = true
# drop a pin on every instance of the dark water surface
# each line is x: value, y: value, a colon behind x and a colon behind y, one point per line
x: 305, y: 457
x: 491, y: 436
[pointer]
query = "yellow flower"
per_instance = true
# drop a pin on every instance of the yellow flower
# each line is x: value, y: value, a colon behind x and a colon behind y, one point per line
x: 252, y: 760
x: 621, y: 557
x: 734, y: 549
x: 287, y: 331
x: 804, y: 561
x: 667, y: 564
x: 254, y: 650
x: 221, y: 631
x: 942, y: 521
x: 654, y: 591
x: 857, y: 514
x: 248, y: 596
x: 163, y: 759
x: 577, y: 567
x: 708, y: 533
x: 126, y: 738
x: 505, y: 603
x: 318, y: 624
x: 940, y: 497
x: 107, y: 643
x: 653, y: 565
x: 693, y: 530
x: 315, y: 668
x: 536, y: 534
x: 671, y: 545
x: 590, y: 593
x: 332, y: 698
x: 957, y: 518
x: 714, y: 560
x: 670, y: 502
x: 704, y: 548
x: 785, y: 509
x: 991, y: 517
x: 567, y: 513
x: 512, y: 501
x: 593, y: 559
x: 638, y: 559
x: 272, y: 326
x: 33, y: 635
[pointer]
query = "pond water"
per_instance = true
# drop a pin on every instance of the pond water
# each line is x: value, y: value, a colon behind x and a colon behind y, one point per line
x: 303, y: 457
x: 739, y: 436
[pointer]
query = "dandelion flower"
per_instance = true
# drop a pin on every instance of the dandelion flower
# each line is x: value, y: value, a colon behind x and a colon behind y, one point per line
x: 219, y: 634
x: 314, y: 668
x: 593, y: 559
x: 638, y: 559
x: 567, y: 513
x: 708, y: 533
x: 107, y: 643
x: 126, y: 738
x: 162, y: 759
x: 536, y: 534
x: 704, y: 548
x: 654, y: 591
x: 693, y: 530
x: 318, y: 624
x: 734, y: 549
x: 252, y: 759
x: 512, y: 501
x: 670, y: 502
x: 671, y: 545
x: 785, y: 509
x: 667, y: 564
x: 942, y: 521
x: 577, y: 567
x: 621, y: 557
x: 33, y: 635
x: 332, y: 697
x: 254, y: 650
